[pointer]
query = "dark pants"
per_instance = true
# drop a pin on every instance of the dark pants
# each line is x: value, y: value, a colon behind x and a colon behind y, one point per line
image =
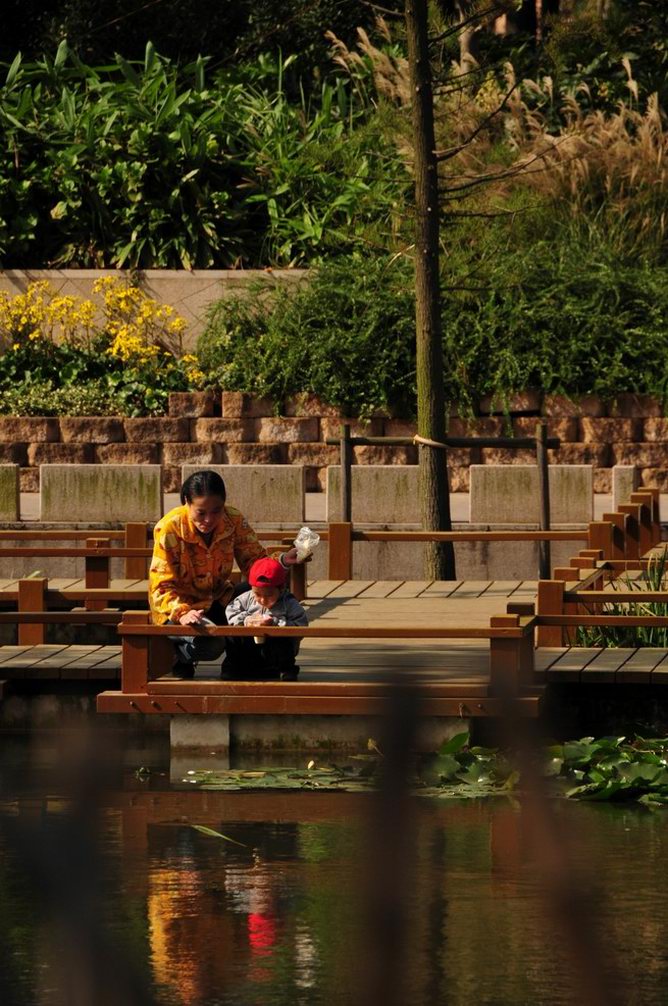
x: 244, y: 658
x: 192, y: 649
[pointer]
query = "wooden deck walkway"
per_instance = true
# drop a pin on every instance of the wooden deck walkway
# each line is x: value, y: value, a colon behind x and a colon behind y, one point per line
x: 342, y: 602
x: 69, y: 590
x: 456, y: 664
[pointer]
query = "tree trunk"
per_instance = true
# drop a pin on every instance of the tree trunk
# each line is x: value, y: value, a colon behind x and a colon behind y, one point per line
x: 434, y: 490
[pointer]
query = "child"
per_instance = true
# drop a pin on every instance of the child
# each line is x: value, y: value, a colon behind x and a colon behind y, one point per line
x: 266, y: 603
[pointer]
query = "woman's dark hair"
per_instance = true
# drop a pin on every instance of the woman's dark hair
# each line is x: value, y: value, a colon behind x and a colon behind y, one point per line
x: 205, y: 483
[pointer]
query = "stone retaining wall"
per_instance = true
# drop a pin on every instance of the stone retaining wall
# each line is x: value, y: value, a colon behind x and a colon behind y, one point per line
x: 235, y: 428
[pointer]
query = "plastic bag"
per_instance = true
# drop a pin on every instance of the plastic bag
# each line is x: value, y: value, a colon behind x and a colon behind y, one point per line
x: 305, y: 542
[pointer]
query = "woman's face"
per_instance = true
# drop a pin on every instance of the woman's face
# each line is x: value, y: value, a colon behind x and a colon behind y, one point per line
x: 205, y: 512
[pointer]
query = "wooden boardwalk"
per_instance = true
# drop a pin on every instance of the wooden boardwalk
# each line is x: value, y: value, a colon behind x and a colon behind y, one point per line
x: 70, y: 590
x: 456, y: 664
x: 331, y: 602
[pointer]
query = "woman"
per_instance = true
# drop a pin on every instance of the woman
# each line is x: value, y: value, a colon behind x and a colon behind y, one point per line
x: 194, y: 547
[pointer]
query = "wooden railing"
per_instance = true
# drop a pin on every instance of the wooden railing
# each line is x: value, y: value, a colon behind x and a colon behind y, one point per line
x: 617, y: 544
x: 342, y: 536
x: 147, y: 651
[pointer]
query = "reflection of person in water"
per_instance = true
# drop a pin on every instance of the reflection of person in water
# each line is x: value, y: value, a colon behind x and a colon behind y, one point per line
x: 219, y: 915
x: 252, y: 892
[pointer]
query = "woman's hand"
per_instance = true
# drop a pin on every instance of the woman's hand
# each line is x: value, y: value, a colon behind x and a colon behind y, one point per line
x: 192, y: 617
x: 291, y: 558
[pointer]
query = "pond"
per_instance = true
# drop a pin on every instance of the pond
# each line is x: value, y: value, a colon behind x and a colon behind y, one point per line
x: 108, y: 894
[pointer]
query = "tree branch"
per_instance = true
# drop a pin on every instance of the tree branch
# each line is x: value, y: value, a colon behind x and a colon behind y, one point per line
x: 446, y: 155
x: 383, y: 10
x: 495, y: 8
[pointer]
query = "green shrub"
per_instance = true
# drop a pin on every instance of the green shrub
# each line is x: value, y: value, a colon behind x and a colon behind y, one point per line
x: 152, y: 165
x: 563, y: 316
x: 558, y: 315
x: 347, y: 336
x: 41, y: 398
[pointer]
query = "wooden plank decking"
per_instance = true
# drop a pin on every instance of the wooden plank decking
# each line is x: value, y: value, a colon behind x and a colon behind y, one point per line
x: 452, y: 666
x: 335, y: 602
x: 63, y: 590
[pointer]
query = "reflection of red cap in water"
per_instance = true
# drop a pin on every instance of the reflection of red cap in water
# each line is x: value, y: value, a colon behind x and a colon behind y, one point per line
x: 267, y: 573
x: 261, y: 933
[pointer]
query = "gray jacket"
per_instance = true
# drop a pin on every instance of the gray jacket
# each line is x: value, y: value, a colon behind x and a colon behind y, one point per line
x: 286, y: 611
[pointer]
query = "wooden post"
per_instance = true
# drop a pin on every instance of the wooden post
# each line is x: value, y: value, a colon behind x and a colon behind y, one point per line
x: 32, y: 597
x: 583, y: 565
x: 569, y: 574
x: 656, y: 512
x: 298, y: 580
x: 618, y: 521
x: 511, y: 663
x: 632, y: 511
x: 645, y: 501
x: 136, y: 536
x: 593, y: 555
x: 340, y: 551
x: 544, y: 560
x: 97, y: 571
x: 346, y: 474
x: 134, y: 654
x: 160, y: 656
x: 550, y: 601
x: 600, y: 537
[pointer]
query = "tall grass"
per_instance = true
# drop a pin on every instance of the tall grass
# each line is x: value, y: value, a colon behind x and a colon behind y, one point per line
x: 654, y: 578
x: 607, y: 171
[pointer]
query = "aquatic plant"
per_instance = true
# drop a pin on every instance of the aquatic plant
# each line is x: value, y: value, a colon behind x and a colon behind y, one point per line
x: 613, y: 768
x: 607, y: 769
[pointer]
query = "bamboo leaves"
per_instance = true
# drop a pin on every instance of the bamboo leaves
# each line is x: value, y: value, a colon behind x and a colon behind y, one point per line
x: 165, y: 168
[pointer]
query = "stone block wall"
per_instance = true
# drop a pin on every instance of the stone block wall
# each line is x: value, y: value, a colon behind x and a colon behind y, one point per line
x: 236, y: 428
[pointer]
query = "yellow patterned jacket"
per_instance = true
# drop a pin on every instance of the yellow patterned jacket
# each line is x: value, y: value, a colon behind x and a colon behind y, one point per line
x: 186, y: 573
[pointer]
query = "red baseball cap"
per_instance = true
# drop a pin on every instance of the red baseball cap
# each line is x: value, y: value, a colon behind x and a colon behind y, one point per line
x: 267, y: 573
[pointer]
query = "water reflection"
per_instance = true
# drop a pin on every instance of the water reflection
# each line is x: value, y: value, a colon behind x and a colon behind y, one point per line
x: 183, y: 918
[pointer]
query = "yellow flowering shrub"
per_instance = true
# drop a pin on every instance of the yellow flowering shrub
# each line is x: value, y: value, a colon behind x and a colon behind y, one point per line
x: 123, y: 351
x: 40, y: 314
x: 138, y: 328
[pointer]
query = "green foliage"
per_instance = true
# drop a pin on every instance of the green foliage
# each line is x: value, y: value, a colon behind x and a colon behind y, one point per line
x: 150, y: 165
x: 653, y: 578
x: 587, y: 49
x: 181, y: 29
x: 81, y: 390
x: 465, y: 772
x: 610, y: 768
x: 613, y: 768
x: 561, y: 315
x: 555, y: 315
x: 42, y: 398
x: 347, y: 335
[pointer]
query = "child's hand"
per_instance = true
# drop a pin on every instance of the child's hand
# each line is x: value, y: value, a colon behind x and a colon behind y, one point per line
x: 259, y: 620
